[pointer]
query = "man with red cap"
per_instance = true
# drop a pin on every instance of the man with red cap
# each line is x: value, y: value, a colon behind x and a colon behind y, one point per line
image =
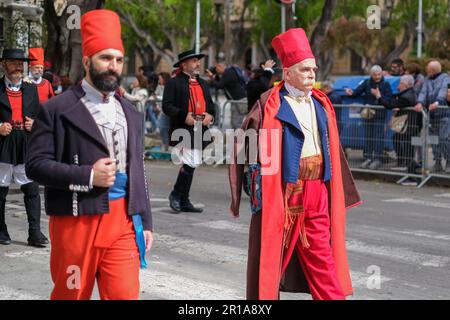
x: 300, y: 185
x: 36, y: 68
x: 86, y: 149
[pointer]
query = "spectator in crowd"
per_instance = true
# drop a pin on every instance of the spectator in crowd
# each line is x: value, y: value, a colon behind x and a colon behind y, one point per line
x: 259, y: 83
x: 405, y: 98
x: 335, y: 98
x: 414, y: 70
x: 397, y: 67
x: 448, y: 94
x: 139, y: 93
x: 52, y: 77
x: 276, y: 77
x: 434, y: 93
x: 66, y: 83
x: 164, y: 120
x: 371, y: 90
x: 232, y: 81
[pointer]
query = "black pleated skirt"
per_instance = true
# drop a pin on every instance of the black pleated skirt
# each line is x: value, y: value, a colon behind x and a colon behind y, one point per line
x: 13, y: 148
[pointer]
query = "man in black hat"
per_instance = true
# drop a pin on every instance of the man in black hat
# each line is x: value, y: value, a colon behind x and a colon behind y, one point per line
x: 188, y: 103
x: 19, y: 105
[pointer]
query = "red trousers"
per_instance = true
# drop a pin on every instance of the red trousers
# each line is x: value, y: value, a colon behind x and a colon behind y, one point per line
x: 317, y: 261
x: 98, y: 247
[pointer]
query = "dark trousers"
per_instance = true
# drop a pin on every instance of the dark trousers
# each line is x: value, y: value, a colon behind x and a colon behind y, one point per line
x: 184, y: 181
x: 374, y: 138
x: 32, y: 202
x: 442, y: 149
x: 402, y: 143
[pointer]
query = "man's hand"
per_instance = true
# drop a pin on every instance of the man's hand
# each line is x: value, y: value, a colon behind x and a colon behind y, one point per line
x: 376, y: 92
x: 190, y: 121
x: 28, y: 123
x: 104, y: 172
x: 269, y: 64
x: 448, y: 96
x: 5, y: 129
x: 148, y: 236
x: 418, y: 107
x: 209, y: 73
x: 208, y: 119
x: 433, y: 106
x: 348, y: 91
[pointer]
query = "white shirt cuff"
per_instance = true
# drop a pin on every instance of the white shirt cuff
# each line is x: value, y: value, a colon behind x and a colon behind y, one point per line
x: 91, y: 179
x: 269, y: 69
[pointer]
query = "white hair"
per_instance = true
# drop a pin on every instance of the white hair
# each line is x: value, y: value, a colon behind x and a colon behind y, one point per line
x: 375, y: 68
x: 408, y: 80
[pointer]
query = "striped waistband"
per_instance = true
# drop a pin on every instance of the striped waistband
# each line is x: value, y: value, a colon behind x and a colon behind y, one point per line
x: 311, y: 168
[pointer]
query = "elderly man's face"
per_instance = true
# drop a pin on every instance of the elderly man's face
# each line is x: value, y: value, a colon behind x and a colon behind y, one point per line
x: 430, y: 69
x: 376, y: 76
x: 191, y: 66
x: 302, y: 75
x: 402, y: 86
x: 13, y: 69
x: 37, y: 71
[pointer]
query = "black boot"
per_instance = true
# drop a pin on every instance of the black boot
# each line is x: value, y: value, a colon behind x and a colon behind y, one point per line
x: 174, y: 201
x: 32, y: 202
x: 181, y: 188
x: 187, y: 206
x: 4, y: 236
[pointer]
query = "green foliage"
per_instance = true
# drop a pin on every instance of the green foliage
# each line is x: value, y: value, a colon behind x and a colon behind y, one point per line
x: 161, y: 18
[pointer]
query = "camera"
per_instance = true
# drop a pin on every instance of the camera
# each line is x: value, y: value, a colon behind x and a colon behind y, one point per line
x: 213, y: 69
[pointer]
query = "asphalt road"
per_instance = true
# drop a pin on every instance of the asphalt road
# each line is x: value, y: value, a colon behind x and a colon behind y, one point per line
x: 398, y: 244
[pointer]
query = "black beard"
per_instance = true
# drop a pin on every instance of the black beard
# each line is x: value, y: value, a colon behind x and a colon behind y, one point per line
x: 101, y: 79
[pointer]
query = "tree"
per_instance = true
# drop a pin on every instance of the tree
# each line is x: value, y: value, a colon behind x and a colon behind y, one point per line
x: 164, y: 27
x: 63, y: 47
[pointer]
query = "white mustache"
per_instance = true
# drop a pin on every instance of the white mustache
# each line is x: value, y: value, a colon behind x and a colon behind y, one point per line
x: 309, y: 82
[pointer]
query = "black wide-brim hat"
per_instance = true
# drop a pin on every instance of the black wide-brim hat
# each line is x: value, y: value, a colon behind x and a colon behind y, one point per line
x: 14, y: 54
x: 187, y: 55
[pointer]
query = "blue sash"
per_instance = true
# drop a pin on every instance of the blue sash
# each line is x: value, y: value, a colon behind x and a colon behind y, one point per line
x: 119, y: 190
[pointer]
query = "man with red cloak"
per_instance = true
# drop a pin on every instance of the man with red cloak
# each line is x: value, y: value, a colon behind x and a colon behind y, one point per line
x: 299, y: 184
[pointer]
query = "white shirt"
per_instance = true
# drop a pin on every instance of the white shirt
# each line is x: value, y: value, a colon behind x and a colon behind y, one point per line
x: 305, y: 112
x: 106, y: 104
x: 11, y: 86
x: 33, y: 79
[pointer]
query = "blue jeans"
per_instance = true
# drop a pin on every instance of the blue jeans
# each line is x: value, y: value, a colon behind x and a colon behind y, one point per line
x: 150, y: 115
x: 164, y: 124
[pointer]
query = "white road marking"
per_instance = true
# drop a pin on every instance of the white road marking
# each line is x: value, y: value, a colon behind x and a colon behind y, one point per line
x: 224, y: 225
x: 398, y: 254
x: 433, y: 204
x: 169, y: 285
x: 427, y: 234
x: 442, y: 195
x: 159, y: 200
x: 7, y: 293
x: 201, y: 250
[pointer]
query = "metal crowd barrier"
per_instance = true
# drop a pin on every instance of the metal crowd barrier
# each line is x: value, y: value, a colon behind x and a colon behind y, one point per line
x: 366, y: 134
x: 227, y: 105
